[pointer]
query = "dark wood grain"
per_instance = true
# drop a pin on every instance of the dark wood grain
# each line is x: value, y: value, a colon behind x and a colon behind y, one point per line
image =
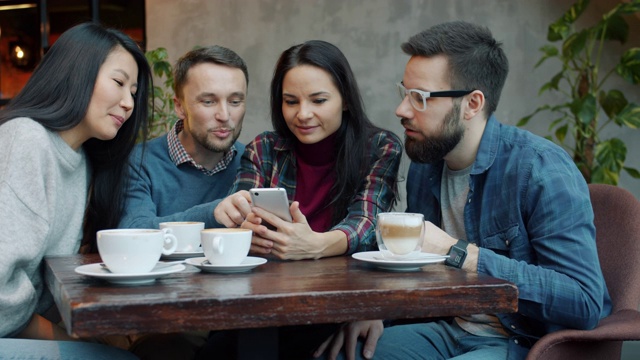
x: 275, y: 294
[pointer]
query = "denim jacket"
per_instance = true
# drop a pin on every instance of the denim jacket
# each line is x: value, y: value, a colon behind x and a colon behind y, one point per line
x: 529, y: 211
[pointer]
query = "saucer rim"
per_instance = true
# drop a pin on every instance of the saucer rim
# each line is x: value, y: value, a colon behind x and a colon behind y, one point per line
x: 258, y: 261
x: 368, y: 257
x: 115, y: 276
x: 178, y: 255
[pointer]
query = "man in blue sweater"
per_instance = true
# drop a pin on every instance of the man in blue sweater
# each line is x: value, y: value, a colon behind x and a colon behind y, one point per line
x: 179, y: 176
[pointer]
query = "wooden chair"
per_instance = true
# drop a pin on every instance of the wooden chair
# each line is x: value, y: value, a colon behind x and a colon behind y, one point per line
x: 617, y: 221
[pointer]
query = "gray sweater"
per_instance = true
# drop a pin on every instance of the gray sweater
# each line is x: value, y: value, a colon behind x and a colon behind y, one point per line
x: 43, y: 195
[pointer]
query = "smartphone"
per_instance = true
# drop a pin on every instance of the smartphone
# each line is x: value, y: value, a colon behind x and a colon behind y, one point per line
x: 274, y: 200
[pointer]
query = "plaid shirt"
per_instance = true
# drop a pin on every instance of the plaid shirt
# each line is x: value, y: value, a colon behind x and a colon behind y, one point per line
x: 269, y: 161
x: 179, y: 155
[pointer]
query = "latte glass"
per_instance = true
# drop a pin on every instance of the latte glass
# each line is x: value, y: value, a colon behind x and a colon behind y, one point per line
x: 399, y: 234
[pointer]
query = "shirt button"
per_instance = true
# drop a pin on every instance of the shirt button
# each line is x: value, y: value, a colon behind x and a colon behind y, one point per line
x: 469, y: 201
x: 513, y: 327
x: 515, y: 341
x: 507, y: 242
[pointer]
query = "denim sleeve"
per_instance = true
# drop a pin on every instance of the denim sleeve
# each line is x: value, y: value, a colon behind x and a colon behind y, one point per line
x: 562, y: 283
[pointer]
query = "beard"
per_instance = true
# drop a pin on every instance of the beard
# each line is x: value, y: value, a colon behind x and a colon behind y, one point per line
x: 214, y: 144
x: 434, y: 148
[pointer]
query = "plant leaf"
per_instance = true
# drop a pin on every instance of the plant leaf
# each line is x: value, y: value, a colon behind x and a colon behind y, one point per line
x: 585, y: 109
x: 549, y: 51
x: 633, y: 172
x: 561, y: 133
x: 526, y: 119
x: 562, y: 27
x: 553, y: 83
x: 611, y: 154
x: 603, y: 175
x: 616, y: 28
x: 574, y: 44
x: 629, y: 116
x: 557, y: 121
x: 627, y: 8
x: 629, y: 66
x: 612, y: 102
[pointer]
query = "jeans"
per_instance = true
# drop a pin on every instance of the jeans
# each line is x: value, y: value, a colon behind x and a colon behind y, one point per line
x: 435, y: 341
x: 26, y: 349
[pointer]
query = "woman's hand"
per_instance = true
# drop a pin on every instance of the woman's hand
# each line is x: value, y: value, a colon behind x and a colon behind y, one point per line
x: 233, y: 210
x: 290, y: 240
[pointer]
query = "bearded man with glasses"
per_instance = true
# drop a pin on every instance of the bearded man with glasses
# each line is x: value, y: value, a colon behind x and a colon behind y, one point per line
x: 499, y: 200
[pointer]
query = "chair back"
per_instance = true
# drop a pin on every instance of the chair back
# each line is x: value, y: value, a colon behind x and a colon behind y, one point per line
x: 617, y: 222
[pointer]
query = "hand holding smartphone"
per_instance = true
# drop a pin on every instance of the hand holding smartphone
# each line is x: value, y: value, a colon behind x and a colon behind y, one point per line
x: 273, y: 200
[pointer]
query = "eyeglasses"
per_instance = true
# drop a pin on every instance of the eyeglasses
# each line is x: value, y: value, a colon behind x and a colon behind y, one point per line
x: 418, y: 98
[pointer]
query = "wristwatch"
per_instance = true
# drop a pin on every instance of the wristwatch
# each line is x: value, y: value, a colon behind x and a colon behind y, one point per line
x: 457, y: 254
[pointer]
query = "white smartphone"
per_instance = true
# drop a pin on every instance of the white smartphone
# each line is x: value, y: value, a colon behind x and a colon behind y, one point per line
x: 274, y: 200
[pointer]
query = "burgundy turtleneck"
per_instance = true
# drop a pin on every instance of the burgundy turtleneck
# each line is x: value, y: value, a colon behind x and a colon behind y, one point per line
x: 315, y: 176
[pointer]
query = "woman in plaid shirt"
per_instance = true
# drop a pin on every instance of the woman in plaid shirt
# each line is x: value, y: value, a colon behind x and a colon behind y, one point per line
x: 339, y: 170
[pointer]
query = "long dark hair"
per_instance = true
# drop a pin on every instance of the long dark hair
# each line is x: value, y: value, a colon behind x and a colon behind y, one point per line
x: 57, y: 96
x: 352, y: 137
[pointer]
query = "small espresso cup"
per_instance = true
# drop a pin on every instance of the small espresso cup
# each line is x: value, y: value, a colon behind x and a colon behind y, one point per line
x: 399, y: 235
x: 226, y: 246
x: 187, y: 233
x: 134, y: 251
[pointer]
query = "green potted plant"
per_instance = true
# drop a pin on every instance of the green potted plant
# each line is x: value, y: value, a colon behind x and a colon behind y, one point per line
x: 587, y: 105
x: 161, y: 115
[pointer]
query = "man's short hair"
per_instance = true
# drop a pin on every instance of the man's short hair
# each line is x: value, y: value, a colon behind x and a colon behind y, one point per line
x: 214, y: 54
x: 476, y: 60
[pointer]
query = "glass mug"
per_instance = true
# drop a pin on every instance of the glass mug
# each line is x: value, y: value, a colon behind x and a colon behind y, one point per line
x: 399, y: 234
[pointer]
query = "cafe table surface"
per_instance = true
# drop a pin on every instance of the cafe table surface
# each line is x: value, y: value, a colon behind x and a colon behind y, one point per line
x: 278, y: 293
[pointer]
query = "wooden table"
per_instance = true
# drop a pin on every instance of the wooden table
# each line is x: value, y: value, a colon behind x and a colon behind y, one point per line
x: 331, y: 290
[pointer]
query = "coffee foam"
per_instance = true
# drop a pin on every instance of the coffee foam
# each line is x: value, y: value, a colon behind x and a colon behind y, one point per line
x: 408, y: 221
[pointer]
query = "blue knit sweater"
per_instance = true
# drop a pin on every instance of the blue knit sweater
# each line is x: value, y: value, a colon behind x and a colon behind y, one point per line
x: 160, y: 191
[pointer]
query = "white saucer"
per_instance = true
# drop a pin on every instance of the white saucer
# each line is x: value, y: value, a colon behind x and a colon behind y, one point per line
x: 247, y: 264
x: 95, y: 270
x: 179, y: 255
x: 375, y: 258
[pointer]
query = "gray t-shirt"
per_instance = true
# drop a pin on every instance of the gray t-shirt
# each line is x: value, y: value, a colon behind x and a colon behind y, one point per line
x: 454, y: 191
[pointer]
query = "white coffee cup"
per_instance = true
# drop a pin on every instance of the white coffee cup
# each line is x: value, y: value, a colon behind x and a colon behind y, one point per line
x: 399, y: 235
x: 187, y: 232
x: 134, y: 251
x: 226, y: 246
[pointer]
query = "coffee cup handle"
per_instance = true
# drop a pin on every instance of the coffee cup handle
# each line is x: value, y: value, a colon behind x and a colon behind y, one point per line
x: 218, y: 245
x: 171, y: 240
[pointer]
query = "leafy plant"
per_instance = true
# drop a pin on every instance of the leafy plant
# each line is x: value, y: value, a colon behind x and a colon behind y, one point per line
x: 162, y: 117
x: 588, y: 107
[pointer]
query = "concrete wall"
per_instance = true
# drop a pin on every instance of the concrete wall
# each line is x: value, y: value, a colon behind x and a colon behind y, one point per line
x: 370, y: 32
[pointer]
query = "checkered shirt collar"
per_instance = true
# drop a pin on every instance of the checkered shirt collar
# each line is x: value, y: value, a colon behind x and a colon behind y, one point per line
x: 179, y: 155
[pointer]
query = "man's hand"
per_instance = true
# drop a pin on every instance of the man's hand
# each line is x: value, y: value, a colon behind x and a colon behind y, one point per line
x: 348, y: 336
x: 437, y: 241
x: 232, y: 211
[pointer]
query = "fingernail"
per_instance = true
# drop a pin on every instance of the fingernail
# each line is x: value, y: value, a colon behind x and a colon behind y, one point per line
x: 368, y: 354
